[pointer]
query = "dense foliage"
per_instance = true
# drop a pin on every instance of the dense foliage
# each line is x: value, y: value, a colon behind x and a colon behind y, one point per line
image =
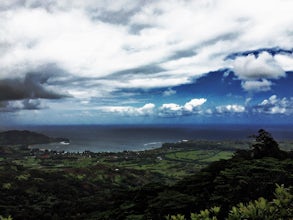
x: 94, y: 186
x: 279, y: 208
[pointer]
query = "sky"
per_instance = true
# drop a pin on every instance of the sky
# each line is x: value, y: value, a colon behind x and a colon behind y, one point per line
x: 146, y: 62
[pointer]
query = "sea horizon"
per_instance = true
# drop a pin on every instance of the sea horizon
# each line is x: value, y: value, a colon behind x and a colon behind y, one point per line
x: 135, y: 137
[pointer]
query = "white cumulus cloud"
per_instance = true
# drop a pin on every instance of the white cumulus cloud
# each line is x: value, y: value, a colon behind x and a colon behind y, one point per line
x: 275, y: 105
x: 286, y: 61
x: 256, y: 71
x: 253, y: 67
x: 189, y: 108
x: 165, y: 110
x: 146, y: 110
x: 230, y: 109
x: 169, y: 92
x: 257, y: 86
x: 194, y: 103
x: 171, y: 107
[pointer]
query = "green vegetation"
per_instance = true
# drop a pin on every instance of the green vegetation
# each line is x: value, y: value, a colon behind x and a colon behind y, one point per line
x: 14, y: 137
x: 199, y: 155
x: 279, y: 208
x: 176, y: 179
x: 7, y: 218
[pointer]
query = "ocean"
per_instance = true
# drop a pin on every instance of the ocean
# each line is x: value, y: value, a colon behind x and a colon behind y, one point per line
x: 115, y: 138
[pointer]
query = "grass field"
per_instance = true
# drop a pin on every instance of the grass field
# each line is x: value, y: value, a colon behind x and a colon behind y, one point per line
x: 166, y: 164
x: 198, y: 156
x: 172, y: 164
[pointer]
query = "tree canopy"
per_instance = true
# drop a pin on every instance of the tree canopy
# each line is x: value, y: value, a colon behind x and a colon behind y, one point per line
x: 265, y: 145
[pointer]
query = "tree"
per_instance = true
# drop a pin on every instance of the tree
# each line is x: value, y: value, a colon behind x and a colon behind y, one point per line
x: 265, y: 145
x: 279, y: 208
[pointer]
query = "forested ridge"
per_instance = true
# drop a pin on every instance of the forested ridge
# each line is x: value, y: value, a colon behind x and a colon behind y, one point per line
x: 25, y: 137
x: 98, y: 191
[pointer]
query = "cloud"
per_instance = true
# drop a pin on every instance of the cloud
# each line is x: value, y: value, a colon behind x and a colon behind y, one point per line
x: 171, y: 110
x: 102, y: 43
x: 253, y: 67
x: 275, y: 105
x: 26, y: 104
x: 274, y: 51
x: 194, y: 103
x: 255, y: 70
x: 32, y: 86
x: 286, y: 61
x: 65, y: 5
x: 99, y: 48
x: 32, y: 104
x: 230, y: 109
x: 257, y: 86
x: 169, y: 92
x: 166, y: 110
x: 146, y: 110
x: 189, y: 108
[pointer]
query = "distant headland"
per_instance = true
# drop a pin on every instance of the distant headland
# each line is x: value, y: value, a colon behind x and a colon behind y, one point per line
x: 25, y: 137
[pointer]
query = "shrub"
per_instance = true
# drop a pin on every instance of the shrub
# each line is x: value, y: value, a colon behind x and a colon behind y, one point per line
x: 279, y: 208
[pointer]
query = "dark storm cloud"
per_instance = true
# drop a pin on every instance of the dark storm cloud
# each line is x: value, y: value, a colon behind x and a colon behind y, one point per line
x: 31, y: 87
x: 27, y: 104
x: 32, y: 104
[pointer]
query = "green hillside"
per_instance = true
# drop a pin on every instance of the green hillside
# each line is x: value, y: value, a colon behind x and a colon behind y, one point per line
x: 176, y: 179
